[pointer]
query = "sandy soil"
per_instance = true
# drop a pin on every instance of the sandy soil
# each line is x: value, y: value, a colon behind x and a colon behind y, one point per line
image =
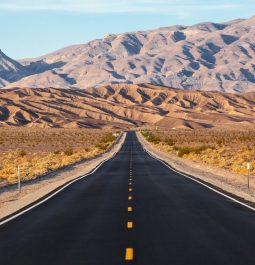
x: 220, y: 178
x: 12, y: 201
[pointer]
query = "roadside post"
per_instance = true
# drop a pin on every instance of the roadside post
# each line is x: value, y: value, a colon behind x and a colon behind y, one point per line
x: 19, y: 179
x: 248, y: 174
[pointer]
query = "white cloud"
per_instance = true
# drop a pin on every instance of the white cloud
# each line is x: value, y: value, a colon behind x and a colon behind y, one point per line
x: 113, y: 6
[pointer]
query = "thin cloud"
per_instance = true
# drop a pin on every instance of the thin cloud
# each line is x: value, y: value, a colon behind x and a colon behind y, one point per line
x: 113, y: 6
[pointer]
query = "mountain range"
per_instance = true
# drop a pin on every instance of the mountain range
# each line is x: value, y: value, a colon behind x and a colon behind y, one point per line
x: 125, y: 106
x: 205, y: 56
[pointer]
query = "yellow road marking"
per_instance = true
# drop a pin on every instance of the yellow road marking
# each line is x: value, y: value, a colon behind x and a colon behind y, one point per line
x: 130, y: 209
x: 130, y: 198
x: 130, y: 225
x: 129, y: 254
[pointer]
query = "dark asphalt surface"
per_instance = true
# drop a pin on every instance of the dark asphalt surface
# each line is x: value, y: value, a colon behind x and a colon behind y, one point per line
x: 176, y: 221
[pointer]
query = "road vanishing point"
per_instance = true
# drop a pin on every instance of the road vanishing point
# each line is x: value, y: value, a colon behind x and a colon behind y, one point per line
x: 132, y: 210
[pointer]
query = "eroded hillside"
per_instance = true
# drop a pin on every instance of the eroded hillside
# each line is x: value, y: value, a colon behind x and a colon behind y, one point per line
x: 124, y: 106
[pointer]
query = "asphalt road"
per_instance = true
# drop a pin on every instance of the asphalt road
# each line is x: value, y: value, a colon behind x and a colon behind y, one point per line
x: 172, y: 220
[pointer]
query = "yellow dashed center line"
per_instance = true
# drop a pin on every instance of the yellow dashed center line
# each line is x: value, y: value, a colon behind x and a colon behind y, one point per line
x: 129, y: 254
x: 130, y: 225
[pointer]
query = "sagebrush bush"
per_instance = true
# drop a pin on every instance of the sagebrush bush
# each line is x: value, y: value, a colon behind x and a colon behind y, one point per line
x: 150, y: 136
x: 68, y: 151
x: 22, y: 153
x: 108, y: 138
x: 169, y: 141
x: 181, y: 151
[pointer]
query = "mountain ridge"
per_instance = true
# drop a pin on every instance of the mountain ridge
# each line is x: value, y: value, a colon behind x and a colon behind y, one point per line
x: 205, y: 56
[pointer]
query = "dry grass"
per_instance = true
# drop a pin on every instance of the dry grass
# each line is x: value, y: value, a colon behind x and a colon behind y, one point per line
x: 38, y: 151
x: 227, y: 149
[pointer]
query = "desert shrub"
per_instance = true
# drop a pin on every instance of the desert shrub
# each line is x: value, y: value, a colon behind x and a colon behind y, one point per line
x: 153, y: 138
x: 102, y: 146
x: 169, y: 141
x: 145, y: 133
x: 108, y: 138
x: 22, y: 153
x: 181, y: 151
x: 68, y: 151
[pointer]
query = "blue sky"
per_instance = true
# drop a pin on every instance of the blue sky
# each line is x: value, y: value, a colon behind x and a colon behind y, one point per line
x: 32, y: 28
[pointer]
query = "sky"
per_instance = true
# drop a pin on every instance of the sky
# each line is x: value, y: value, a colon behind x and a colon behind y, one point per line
x: 32, y: 28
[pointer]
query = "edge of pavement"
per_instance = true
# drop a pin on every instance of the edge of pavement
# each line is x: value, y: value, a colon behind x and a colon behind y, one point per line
x: 199, y: 176
x: 37, y: 193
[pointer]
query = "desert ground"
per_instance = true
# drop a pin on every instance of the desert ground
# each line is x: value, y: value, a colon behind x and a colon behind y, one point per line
x: 226, y: 150
x: 38, y: 151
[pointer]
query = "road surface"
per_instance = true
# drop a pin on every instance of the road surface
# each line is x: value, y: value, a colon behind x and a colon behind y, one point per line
x: 133, y: 210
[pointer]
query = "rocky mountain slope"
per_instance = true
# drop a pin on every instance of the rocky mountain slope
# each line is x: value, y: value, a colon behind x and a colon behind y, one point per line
x: 206, y: 56
x: 124, y: 106
x: 10, y: 70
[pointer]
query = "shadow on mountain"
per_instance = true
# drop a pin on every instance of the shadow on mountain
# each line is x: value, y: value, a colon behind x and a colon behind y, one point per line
x: 41, y: 66
x: 132, y: 44
x: 28, y: 70
x: 248, y: 75
x: 228, y: 39
x: 178, y: 36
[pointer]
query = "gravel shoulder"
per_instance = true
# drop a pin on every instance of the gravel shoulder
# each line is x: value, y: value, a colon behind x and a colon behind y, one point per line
x: 220, y: 178
x: 11, y: 201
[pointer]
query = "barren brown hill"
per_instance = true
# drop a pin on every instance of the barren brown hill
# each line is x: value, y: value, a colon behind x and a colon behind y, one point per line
x: 124, y: 106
